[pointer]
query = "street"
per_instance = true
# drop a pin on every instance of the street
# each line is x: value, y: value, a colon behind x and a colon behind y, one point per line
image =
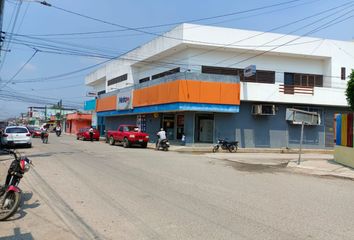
x: 91, y: 190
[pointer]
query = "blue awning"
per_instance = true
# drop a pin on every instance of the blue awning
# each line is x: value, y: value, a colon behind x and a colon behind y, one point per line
x: 175, y: 107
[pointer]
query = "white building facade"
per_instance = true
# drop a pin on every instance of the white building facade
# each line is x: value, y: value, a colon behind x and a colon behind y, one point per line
x: 292, y: 72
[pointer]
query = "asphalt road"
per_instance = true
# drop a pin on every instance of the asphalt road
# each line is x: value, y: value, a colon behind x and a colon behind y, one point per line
x: 85, y: 190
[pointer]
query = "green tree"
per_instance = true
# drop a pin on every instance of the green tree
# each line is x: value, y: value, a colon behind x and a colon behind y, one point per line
x: 350, y: 91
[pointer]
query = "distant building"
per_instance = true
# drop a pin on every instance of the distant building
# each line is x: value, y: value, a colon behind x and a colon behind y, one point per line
x: 75, y: 121
x: 192, y: 82
x: 38, y: 115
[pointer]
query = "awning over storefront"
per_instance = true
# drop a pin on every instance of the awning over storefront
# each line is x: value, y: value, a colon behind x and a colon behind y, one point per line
x: 173, y: 96
x: 175, y: 107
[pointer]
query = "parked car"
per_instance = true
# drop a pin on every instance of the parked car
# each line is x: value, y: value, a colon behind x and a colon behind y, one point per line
x: 17, y: 135
x: 128, y: 135
x: 35, y: 131
x: 85, y: 135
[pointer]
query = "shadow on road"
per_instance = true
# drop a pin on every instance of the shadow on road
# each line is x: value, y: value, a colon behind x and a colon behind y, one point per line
x: 21, y: 212
x: 47, y: 154
x: 18, y: 235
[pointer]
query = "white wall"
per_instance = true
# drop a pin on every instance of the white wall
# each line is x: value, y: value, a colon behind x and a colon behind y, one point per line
x: 261, y: 92
x: 189, y: 46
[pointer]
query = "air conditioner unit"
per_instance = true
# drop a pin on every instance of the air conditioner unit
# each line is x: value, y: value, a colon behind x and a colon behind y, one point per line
x: 263, y: 109
x: 257, y: 109
x: 297, y: 116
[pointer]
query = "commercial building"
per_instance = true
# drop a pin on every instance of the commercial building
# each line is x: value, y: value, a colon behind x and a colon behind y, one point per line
x: 192, y: 81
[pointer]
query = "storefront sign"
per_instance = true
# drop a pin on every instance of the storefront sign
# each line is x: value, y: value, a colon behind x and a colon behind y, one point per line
x: 249, y: 71
x: 124, y: 100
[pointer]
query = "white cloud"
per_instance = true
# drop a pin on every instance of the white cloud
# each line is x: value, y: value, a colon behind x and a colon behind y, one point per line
x: 30, y: 67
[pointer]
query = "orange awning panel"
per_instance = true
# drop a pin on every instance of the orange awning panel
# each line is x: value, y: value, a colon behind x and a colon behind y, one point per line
x: 106, y: 104
x: 188, y: 91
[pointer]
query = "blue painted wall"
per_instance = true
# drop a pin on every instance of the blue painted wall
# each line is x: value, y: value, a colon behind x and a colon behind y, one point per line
x: 112, y: 123
x: 251, y: 131
x: 266, y: 131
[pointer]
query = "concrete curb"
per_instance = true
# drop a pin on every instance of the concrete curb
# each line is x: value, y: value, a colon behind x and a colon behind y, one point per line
x: 320, y: 173
x: 253, y: 150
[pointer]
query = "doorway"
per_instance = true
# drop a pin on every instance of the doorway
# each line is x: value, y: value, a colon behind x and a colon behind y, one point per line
x: 168, y: 124
x: 204, y: 128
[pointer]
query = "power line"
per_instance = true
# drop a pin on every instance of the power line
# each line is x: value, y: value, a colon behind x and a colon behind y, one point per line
x: 323, y: 26
x: 143, y: 31
x: 12, y: 31
x: 169, y: 24
x: 140, y: 29
x: 13, y: 94
x: 291, y: 32
x: 273, y: 29
x: 20, y: 69
x: 61, y: 75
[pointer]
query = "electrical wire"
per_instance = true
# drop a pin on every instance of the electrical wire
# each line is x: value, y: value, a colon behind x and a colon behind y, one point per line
x: 288, y: 24
x: 140, y: 60
x: 126, y: 28
x: 323, y: 26
x: 141, y: 30
x: 21, y: 96
x: 137, y: 34
x: 19, y: 70
x: 18, y: 8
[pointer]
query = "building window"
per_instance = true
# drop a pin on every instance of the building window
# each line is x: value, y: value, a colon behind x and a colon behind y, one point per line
x: 261, y: 76
x: 342, y: 73
x: 144, y: 80
x: 220, y: 70
x: 117, y: 79
x: 265, y: 76
x: 166, y: 73
x: 303, y: 79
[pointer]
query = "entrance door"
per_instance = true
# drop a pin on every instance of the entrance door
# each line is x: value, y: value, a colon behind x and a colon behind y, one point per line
x: 205, y: 128
x: 169, y: 125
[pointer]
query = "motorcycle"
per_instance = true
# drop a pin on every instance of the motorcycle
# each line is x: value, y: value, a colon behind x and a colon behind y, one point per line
x: 10, y: 193
x: 58, y: 133
x: 164, y: 145
x: 225, y: 145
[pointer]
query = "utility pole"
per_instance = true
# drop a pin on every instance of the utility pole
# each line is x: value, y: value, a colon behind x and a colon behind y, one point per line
x: 45, y: 113
x: 2, y: 4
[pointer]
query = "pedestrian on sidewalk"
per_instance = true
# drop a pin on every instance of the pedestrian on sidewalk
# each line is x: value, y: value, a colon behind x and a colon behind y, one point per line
x: 91, y: 134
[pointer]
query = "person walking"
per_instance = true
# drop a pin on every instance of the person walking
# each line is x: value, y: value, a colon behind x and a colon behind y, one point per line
x: 91, y: 133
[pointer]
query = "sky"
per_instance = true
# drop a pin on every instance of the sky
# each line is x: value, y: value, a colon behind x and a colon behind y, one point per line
x: 26, y: 68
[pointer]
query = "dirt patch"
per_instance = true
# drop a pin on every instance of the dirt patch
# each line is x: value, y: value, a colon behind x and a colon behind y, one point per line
x: 256, y: 168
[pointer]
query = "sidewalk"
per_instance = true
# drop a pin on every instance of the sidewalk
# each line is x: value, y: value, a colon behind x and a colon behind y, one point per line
x: 311, y: 163
x: 318, y: 162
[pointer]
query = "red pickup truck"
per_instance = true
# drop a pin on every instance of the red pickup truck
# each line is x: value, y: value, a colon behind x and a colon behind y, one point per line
x: 128, y: 135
